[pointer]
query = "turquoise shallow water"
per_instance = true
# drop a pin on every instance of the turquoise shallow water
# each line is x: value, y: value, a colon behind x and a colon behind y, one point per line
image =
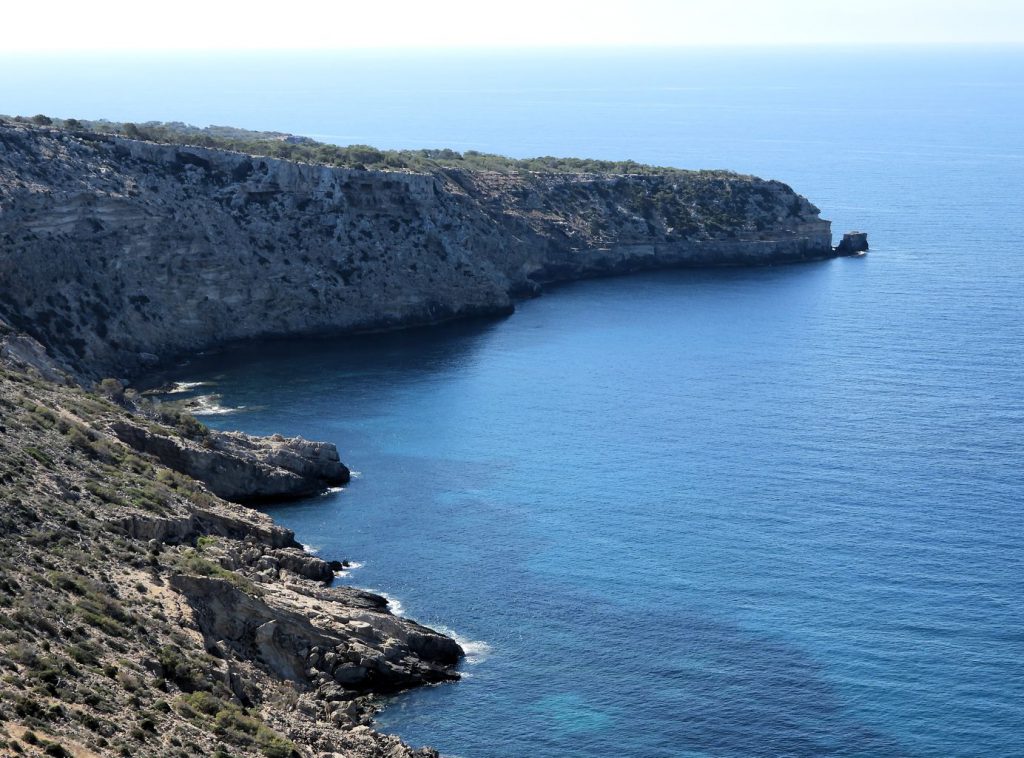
x: 740, y: 512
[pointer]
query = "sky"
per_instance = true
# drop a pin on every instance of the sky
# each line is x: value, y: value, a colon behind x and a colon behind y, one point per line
x: 130, y: 25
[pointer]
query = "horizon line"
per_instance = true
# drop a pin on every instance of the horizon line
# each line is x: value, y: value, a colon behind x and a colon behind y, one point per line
x: 523, y: 48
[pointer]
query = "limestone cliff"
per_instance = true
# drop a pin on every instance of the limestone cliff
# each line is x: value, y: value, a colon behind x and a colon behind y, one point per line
x: 115, y: 253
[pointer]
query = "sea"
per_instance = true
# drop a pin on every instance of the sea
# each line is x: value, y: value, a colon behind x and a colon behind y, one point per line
x: 722, y: 512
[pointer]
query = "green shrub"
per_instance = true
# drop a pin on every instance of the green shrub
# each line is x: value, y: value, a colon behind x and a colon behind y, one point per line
x: 186, y: 673
x: 68, y: 583
x: 103, y: 493
x: 111, y: 389
x: 234, y: 725
x: 202, y: 702
x: 191, y: 562
x: 39, y: 455
x: 28, y: 708
x: 84, y: 654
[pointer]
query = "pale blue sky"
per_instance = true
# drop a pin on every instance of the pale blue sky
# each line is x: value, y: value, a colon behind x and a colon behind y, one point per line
x: 346, y: 24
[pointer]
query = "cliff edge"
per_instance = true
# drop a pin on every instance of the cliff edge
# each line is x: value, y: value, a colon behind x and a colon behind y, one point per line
x: 118, y: 253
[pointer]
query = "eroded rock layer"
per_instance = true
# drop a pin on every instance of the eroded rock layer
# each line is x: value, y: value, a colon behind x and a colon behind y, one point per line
x: 117, y: 253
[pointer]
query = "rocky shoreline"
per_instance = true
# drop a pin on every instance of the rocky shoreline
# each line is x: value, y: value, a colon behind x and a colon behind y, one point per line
x: 145, y: 615
x: 167, y: 617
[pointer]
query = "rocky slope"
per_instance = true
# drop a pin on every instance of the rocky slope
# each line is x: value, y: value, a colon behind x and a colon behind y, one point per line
x: 142, y: 615
x: 117, y: 253
x: 236, y: 466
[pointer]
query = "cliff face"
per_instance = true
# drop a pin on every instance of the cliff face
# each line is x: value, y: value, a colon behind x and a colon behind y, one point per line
x: 116, y: 253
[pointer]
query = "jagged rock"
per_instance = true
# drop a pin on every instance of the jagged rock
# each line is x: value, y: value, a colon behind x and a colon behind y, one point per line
x: 397, y: 653
x: 349, y: 674
x: 271, y: 651
x: 361, y: 628
x: 240, y: 467
x: 853, y: 243
x: 199, y: 522
x: 248, y: 625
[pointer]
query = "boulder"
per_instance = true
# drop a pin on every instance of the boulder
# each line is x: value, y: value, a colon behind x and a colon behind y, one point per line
x: 853, y: 243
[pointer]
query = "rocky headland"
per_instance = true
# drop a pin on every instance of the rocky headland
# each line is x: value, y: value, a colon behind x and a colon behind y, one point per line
x: 119, y: 253
x: 143, y: 609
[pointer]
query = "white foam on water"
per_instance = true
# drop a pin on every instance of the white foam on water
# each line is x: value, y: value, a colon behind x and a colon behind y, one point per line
x: 310, y: 549
x: 477, y: 651
x: 394, y: 605
x: 352, y: 566
x: 355, y: 474
x: 332, y: 491
x: 209, y: 405
x: 180, y: 387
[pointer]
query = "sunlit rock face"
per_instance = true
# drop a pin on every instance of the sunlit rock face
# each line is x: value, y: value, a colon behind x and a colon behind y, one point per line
x: 117, y: 253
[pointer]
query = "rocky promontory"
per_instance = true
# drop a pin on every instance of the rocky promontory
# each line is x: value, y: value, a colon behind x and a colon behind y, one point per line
x: 240, y: 467
x: 118, y: 253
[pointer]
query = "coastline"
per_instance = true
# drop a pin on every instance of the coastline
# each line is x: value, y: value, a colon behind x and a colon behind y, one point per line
x: 274, y: 249
x: 163, y: 249
x: 155, y: 378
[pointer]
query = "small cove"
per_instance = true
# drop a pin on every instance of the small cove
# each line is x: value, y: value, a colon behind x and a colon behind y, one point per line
x: 715, y: 512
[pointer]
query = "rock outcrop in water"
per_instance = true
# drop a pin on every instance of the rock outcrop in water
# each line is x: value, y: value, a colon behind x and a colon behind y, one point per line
x: 118, y: 253
x: 853, y: 243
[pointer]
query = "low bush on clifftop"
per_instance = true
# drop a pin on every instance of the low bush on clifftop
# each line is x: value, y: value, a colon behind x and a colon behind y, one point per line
x: 306, y: 150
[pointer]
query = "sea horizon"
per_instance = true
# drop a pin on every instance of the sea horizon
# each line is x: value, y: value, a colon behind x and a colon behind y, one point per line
x: 723, y: 511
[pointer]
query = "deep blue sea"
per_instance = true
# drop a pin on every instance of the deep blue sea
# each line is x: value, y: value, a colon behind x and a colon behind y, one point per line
x: 744, y: 512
